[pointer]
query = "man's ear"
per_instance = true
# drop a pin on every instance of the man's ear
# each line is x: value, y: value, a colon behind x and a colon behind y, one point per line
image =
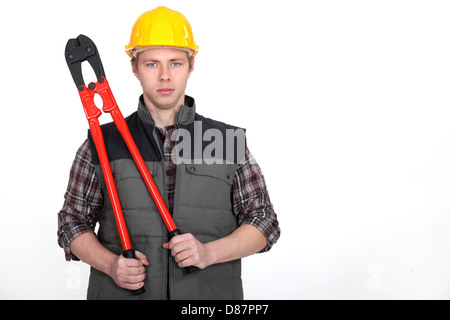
x: 135, y: 69
x: 192, y: 68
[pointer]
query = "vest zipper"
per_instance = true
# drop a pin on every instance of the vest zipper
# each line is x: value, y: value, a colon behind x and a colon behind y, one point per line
x: 158, y: 143
x: 174, y: 207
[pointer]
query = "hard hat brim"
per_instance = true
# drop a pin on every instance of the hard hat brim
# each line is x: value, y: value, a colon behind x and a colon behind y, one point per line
x: 133, y: 51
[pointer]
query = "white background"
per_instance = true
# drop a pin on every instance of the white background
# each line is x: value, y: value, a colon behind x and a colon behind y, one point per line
x: 347, y: 107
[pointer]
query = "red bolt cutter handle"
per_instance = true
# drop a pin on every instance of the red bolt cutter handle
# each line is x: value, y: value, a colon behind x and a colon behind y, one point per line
x: 92, y: 114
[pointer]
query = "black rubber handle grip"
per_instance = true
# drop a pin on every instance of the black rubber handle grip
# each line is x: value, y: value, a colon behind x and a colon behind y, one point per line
x: 191, y: 269
x: 177, y: 232
x: 130, y: 254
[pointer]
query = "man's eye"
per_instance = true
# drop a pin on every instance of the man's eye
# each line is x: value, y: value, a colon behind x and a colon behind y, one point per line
x: 152, y: 65
x: 175, y: 64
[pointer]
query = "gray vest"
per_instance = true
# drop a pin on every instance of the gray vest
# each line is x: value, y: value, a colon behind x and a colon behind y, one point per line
x: 202, y: 206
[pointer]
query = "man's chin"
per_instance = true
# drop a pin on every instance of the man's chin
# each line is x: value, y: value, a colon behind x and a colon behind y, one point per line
x: 167, y: 102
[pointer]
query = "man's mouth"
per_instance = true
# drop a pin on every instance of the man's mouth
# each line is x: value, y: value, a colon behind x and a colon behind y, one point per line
x: 165, y: 91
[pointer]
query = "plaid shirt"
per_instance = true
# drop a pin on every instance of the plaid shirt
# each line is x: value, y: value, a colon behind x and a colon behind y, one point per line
x: 84, y: 197
x: 167, y: 143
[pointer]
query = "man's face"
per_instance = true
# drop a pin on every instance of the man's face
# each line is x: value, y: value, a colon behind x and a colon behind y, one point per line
x: 163, y: 73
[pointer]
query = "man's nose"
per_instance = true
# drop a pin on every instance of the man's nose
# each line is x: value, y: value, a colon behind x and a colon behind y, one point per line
x: 165, y: 75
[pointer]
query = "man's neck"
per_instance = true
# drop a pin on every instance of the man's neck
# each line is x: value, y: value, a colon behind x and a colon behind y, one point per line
x: 162, y: 117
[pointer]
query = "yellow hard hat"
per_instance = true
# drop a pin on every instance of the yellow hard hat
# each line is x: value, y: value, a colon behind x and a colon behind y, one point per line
x: 161, y: 27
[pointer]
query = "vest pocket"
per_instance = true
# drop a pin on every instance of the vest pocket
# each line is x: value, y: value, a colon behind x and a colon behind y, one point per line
x: 207, y: 186
x: 223, y: 172
x: 203, y: 205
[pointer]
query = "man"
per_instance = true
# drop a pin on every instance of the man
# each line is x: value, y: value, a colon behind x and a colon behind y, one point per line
x: 220, y: 202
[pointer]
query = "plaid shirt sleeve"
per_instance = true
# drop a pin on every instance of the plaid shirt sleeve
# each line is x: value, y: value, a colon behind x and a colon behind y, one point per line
x: 83, y: 201
x: 251, y: 202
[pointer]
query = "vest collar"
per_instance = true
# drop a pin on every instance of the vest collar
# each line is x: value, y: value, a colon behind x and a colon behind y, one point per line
x: 185, y: 116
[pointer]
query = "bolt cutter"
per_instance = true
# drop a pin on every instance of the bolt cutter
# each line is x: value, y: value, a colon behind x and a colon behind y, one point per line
x: 83, y: 49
